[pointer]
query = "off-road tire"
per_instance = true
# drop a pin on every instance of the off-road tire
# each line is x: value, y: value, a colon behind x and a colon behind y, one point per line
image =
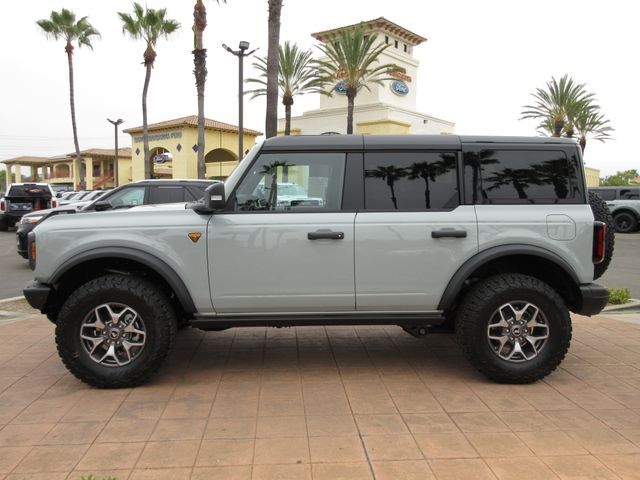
x: 481, y: 302
x: 145, y: 298
x: 625, y: 222
x: 4, y: 225
x: 601, y: 213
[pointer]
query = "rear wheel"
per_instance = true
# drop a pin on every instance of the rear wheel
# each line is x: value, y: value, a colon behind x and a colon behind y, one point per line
x: 115, y: 331
x: 513, y: 328
x: 625, y: 222
x: 4, y: 225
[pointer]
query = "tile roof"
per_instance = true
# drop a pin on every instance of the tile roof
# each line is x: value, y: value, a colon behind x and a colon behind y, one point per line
x: 26, y: 160
x: 192, y: 121
x: 102, y: 152
x: 377, y: 23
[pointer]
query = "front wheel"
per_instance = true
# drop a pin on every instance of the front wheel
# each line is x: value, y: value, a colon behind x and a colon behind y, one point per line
x: 115, y: 331
x: 514, y: 328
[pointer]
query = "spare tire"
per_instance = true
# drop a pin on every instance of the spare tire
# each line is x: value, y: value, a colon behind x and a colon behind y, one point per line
x: 601, y: 213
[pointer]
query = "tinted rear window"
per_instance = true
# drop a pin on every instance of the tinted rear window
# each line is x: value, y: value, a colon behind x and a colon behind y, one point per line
x: 28, y: 191
x: 522, y: 176
x: 606, y: 194
x: 630, y: 193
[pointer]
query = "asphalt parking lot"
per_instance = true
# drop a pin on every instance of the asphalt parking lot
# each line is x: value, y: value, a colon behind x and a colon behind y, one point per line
x: 14, y: 270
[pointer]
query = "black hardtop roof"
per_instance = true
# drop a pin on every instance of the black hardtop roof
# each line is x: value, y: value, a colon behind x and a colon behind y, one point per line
x: 360, y: 142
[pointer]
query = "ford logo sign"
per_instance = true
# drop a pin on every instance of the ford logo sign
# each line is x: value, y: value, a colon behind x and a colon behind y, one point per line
x: 341, y: 87
x: 399, y: 87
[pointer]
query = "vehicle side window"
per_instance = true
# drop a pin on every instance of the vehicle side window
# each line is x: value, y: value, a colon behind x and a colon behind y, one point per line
x: 521, y: 176
x: 127, y: 197
x: 606, y: 193
x: 411, y: 181
x: 630, y: 193
x: 166, y: 194
x: 293, y: 182
x: 193, y: 194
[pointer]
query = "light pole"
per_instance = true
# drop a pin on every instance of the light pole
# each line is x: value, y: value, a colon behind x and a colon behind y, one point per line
x: 115, y: 124
x: 240, y: 53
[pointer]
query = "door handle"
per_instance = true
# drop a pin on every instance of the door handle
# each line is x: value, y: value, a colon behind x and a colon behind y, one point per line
x: 325, y: 235
x: 449, y: 233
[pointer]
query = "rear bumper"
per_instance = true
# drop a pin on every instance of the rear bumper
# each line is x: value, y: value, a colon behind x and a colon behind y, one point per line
x: 593, y: 299
x: 37, y: 294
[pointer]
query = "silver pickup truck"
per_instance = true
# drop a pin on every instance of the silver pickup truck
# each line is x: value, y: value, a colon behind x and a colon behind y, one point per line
x: 492, y: 238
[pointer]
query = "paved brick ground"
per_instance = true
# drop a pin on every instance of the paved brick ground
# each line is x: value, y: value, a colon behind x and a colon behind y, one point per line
x: 322, y: 403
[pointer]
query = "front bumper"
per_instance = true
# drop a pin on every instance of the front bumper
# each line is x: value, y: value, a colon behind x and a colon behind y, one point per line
x: 37, y: 294
x: 593, y: 299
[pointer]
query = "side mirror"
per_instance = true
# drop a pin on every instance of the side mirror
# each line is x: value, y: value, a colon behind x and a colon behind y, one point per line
x: 214, y: 199
x: 101, y: 205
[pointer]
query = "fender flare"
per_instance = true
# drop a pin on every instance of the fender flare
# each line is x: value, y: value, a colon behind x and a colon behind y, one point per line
x: 458, y: 280
x: 148, y: 260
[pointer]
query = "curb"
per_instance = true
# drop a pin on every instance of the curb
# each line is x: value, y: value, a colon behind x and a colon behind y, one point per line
x: 632, y: 304
x: 12, y: 299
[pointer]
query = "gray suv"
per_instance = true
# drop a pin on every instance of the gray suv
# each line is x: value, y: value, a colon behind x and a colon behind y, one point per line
x: 624, y: 204
x: 492, y: 238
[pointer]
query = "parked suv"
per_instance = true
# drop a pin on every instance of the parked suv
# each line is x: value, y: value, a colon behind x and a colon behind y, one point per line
x: 22, y: 198
x: 490, y: 237
x: 143, y: 192
x: 624, y: 203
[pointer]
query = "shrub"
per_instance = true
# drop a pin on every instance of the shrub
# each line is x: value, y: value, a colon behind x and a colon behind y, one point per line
x: 618, y: 296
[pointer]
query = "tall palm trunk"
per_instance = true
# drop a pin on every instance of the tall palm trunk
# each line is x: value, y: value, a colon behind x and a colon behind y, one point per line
x: 200, y: 72
x: 77, y: 164
x: 287, y: 101
x: 351, y: 96
x: 271, y: 120
x: 583, y: 142
x: 149, y: 58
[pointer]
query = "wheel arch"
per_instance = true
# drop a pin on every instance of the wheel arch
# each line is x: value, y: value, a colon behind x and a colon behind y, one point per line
x: 526, y: 259
x: 89, y: 264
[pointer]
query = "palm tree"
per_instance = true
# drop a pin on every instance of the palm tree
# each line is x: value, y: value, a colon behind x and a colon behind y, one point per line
x: 200, y: 72
x: 353, y: 57
x: 590, y: 122
x: 297, y: 76
x: 63, y: 25
x: 271, y: 119
x: 149, y: 25
x: 557, y: 105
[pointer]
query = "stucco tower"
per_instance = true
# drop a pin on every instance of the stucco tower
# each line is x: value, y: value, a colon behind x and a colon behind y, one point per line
x: 387, y: 108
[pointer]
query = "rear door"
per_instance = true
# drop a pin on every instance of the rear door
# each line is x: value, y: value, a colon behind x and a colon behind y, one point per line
x: 286, y: 244
x: 413, y: 233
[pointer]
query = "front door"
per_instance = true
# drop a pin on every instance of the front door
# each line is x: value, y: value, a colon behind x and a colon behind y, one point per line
x: 285, y: 244
x: 413, y: 234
